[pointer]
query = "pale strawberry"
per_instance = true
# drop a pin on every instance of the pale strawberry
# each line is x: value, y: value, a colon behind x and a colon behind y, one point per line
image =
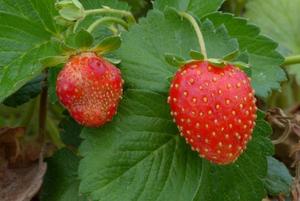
x: 90, y: 88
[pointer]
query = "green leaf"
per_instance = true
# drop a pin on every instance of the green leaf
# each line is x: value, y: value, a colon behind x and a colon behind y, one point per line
x: 61, y: 182
x: 70, y: 9
x: 141, y: 156
x: 70, y: 131
x: 279, y: 180
x: 143, y: 49
x: 174, y: 60
x: 108, y: 45
x: 80, y: 39
x: 25, y: 68
x: 35, y: 11
x: 26, y: 28
x: 198, y: 7
x: 264, y: 60
x: 25, y: 93
x: 53, y: 61
x: 279, y: 20
x: 196, y: 55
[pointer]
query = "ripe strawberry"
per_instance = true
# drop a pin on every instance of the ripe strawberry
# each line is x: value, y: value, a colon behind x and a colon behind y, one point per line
x: 90, y: 88
x: 214, y: 109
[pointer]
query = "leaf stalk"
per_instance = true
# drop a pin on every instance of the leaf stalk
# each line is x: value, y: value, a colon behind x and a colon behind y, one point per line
x: 197, y: 29
x: 295, y: 59
x: 107, y: 19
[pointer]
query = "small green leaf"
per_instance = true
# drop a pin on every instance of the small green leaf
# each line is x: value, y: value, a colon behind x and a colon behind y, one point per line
x: 174, y: 60
x: 53, y: 61
x: 196, y: 55
x: 279, y: 179
x: 217, y: 62
x: 81, y: 39
x: 231, y: 56
x: 70, y: 9
x: 108, y: 45
x: 84, y: 39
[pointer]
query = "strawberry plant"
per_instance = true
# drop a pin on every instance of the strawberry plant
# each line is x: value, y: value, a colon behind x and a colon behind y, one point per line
x: 167, y: 100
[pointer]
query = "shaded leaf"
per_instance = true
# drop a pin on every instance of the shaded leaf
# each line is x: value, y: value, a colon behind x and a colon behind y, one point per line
x: 61, y: 182
x: 70, y: 131
x: 280, y: 21
x: 25, y: 93
x: 279, y: 180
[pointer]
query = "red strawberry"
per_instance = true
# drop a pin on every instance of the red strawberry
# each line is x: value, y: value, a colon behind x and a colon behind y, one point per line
x: 90, y: 88
x: 214, y: 109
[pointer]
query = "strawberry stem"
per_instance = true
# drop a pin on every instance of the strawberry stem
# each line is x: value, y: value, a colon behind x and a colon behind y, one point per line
x: 43, y: 110
x: 105, y: 20
x: 291, y: 60
x: 107, y: 10
x: 197, y: 29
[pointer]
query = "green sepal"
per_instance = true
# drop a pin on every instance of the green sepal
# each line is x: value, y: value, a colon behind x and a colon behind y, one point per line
x: 113, y: 60
x: 169, y: 79
x: 196, y: 55
x: 231, y: 56
x: 217, y: 62
x: 108, y: 45
x: 81, y: 39
x: 53, y: 61
x: 244, y: 67
x: 174, y: 60
x: 62, y: 21
x: 71, y: 10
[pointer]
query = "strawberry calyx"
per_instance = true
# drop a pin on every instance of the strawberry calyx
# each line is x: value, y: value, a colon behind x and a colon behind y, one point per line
x: 175, y: 60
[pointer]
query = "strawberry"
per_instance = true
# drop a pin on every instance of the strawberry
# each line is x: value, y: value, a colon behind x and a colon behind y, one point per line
x: 214, y: 109
x: 90, y: 88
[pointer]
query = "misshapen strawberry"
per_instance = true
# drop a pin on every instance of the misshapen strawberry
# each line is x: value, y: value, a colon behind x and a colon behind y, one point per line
x: 214, y: 109
x: 90, y: 88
